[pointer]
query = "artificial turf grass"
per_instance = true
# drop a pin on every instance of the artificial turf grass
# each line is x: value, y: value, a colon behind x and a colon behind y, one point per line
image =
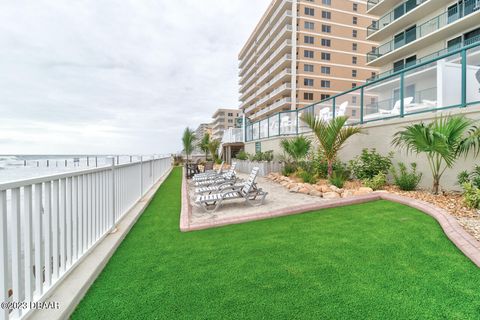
x: 379, y: 260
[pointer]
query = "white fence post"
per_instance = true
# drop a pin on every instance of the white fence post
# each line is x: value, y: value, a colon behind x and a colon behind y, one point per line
x: 3, y: 254
x: 141, y: 176
x: 112, y: 227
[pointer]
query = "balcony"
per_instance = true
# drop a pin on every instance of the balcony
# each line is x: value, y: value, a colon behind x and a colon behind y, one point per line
x: 272, y: 108
x: 285, y: 47
x: 282, y: 76
x: 434, y: 30
x: 396, y: 15
x: 377, y: 7
x: 285, y: 33
x: 232, y: 135
x: 285, y: 19
x: 285, y: 61
x: 426, y: 58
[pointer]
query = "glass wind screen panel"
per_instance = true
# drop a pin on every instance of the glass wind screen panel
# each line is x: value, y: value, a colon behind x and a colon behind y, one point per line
x: 473, y: 75
x: 302, y: 126
x: 288, y: 122
x: 449, y: 73
x: 349, y: 105
x: 381, y: 100
x: 256, y: 131
x: 263, y: 129
x: 274, y: 125
x: 249, y: 132
x: 323, y: 111
x: 420, y: 89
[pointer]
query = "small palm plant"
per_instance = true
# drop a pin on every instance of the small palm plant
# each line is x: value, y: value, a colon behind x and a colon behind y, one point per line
x: 331, y: 136
x: 203, y: 144
x: 297, y: 148
x: 443, y: 141
x: 213, y: 148
x: 188, y: 140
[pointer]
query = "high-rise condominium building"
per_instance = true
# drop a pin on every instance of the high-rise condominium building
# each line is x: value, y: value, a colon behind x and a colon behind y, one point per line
x: 222, y: 120
x: 202, y: 129
x: 410, y: 32
x: 304, y: 51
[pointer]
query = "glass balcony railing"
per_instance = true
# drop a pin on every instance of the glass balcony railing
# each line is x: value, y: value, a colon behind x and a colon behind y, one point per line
x: 434, y: 55
x: 452, y: 15
x: 451, y: 79
x: 393, y: 15
x: 372, y: 3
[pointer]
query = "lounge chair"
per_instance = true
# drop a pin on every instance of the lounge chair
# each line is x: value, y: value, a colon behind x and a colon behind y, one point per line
x: 228, y: 176
x: 327, y: 115
x: 229, y: 185
x: 210, y: 203
x: 209, y: 172
x: 395, y: 111
x: 213, y: 175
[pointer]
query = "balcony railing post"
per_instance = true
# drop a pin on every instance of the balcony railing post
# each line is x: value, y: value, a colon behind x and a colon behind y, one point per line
x: 402, y: 94
x: 279, y: 123
x: 361, y: 105
x: 268, y: 127
x: 333, y: 108
x: 464, y: 78
x: 296, y: 120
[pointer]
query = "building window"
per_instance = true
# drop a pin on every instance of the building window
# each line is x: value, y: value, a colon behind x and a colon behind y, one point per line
x: 308, y: 39
x: 354, y: 85
x: 326, y: 15
x: 326, y: 28
x: 354, y: 73
x: 230, y: 114
x: 354, y: 46
x: 308, y: 96
x: 354, y: 113
x: 309, y: 11
x: 354, y: 33
x: 327, y: 2
x: 355, y: 7
x: 355, y: 20
x: 326, y: 42
x: 325, y: 84
x: 354, y: 99
x: 354, y: 60
x: 309, y: 25
x: 230, y: 121
x: 308, y: 67
x: 308, y: 54
x: 324, y: 96
x: 325, y: 70
x: 326, y: 56
x: 308, y: 82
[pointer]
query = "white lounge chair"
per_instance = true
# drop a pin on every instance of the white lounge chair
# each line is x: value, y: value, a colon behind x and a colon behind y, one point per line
x: 326, y: 114
x: 213, y: 175
x: 395, y: 111
x: 210, y: 203
x: 214, y: 180
x: 209, y: 172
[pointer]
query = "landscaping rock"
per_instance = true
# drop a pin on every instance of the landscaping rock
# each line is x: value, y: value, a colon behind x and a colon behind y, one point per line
x: 324, y: 189
x: 315, y: 193
x: 363, y: 191
x: 295, y: 189
x: 284, y: 183
x: 348, y: 193
x: 331, y: 195
x: 304, y: 190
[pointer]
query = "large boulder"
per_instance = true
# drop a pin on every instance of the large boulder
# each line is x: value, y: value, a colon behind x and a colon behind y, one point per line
x: 315, y: 193
x: 331, y: 195
x: 363, y: 191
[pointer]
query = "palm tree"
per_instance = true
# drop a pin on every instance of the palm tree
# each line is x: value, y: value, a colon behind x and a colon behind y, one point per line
x: 443, y: 141
x: 188, y: 140
x: 331, y: 135
x: 213, y: 148
x: 203, y: 145
x: 297, y: 148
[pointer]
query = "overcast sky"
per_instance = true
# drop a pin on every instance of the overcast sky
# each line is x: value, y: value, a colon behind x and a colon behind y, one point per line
x: 116, y: 76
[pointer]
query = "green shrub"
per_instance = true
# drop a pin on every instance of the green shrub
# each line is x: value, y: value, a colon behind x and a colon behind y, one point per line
x: 377, y: 182
x: 242, y: 155
x: 406, y: 181
x: 218, y: 161
x: 369, y: 164
x: 320, y: 166
x: 307, y: 176
x: 471, y: 195
x: 470, y: 182
x: 339, y: 177
x: 289, y: 169
x: 262, y: 156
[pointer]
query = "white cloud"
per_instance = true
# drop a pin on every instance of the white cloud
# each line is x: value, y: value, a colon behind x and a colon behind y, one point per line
x: 109, y: 76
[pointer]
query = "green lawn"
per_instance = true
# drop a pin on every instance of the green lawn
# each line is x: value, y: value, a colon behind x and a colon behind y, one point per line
x: 379, y: 260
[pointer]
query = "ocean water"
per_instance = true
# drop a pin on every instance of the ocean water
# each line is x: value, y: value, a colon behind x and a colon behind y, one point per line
x: 20, y: 167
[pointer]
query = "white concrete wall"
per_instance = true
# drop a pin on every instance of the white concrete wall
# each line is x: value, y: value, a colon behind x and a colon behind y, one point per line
x: 379, y: 135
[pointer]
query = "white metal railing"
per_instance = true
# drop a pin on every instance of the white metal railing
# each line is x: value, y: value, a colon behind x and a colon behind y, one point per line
x: 48, y: 224
x: 232, y: 135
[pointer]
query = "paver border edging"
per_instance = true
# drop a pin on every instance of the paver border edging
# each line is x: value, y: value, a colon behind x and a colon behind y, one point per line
x: 452, y: 229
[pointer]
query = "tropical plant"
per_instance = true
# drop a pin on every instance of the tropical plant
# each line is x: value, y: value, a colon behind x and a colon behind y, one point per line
x: 331, y: 136
x: 288, y: 169
x: 306, y: 171
x: 242, y: 155
x: 321, y: 166
x: 406, y: 181
x: 369, y: 164
x: 471, y: 177
x: 262, y: 156
x: 470, y: 182
x: 188, y: 140
x: 213, y: 146
x: 376, y: 182
x: 443, y: 141
x: 339, y: 177
x: 296, y: 148
x: 203, y: 144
